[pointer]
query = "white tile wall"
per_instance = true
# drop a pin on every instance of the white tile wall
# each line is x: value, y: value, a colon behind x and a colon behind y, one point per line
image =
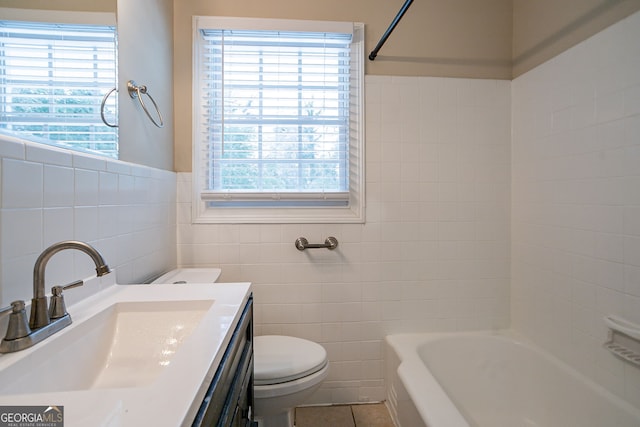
x: 433, y: 254
x: 47, y: 195
x: 576, y: 201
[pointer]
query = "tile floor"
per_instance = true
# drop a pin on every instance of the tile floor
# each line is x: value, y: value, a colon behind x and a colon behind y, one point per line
x: 366, y: 415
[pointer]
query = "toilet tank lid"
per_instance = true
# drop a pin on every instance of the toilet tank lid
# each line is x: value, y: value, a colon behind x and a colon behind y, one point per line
x: 279, y: 359
x: 189, y: 275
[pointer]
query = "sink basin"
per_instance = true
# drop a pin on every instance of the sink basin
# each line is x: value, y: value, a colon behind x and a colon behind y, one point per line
x: 127, y: 344
x: 135, y: 355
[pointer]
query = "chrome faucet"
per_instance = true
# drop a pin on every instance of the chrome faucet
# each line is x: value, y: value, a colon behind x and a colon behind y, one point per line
x: 39, y: 310
x: 44, y: 321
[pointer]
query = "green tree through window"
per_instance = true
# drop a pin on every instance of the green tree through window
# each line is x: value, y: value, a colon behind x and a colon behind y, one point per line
x: 53, y: 78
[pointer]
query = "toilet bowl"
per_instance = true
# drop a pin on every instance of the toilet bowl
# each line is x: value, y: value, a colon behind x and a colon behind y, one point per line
x: 287, y: 370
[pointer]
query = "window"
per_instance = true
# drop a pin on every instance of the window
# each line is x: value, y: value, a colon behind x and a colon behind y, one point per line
x: 52, y: 81
x: 278, y: 121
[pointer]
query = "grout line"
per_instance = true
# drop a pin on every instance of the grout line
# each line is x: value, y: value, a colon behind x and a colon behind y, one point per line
x: 353, y: 416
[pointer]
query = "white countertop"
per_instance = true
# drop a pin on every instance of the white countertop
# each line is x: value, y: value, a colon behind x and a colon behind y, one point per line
x: 174, y: 397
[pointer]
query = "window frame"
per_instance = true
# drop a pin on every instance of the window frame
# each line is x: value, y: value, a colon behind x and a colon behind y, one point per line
x: 288, y: 211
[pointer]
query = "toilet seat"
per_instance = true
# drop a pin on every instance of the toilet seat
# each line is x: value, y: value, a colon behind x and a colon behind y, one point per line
x: 279, y: 359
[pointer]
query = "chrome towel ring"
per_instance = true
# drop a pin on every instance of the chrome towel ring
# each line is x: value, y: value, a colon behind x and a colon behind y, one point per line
x: 102, y: 105
x: 138, y: 91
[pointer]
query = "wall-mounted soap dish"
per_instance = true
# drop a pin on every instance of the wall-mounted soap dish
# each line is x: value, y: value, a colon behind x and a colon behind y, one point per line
x: 624, y: 339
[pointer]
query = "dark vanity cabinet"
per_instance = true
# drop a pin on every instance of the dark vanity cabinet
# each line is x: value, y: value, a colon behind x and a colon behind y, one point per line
x: 229, y: 398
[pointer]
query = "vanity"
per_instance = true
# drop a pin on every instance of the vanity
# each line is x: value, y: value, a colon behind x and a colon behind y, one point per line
x: 229, y: 398
x: 162, y: 355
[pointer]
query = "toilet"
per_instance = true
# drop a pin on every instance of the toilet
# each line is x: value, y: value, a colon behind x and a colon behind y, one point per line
x: 287, y: 370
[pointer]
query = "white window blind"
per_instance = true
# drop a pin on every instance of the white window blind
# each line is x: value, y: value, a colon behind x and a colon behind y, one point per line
x: 52, y: 81
x: 279, y: 118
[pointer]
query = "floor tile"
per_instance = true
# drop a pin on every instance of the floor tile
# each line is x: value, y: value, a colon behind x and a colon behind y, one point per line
x: 324, y: 416
x: 372, y: 415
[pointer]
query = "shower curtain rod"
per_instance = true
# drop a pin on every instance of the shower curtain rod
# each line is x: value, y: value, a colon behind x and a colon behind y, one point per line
x: 392, y: 26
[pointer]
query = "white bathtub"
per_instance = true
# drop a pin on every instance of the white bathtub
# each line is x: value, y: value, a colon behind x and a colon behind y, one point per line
x: 491, y: 380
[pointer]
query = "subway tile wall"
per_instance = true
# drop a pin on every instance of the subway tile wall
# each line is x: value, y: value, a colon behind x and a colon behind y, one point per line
x: 576, y: 202
x: 432, y: 256
x: 47, y: 195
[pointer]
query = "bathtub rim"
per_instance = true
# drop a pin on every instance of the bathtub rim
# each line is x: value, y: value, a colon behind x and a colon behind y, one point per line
x: 442, y: 410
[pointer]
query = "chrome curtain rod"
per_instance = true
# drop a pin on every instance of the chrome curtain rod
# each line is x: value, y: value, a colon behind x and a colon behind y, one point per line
x: 392, y: 26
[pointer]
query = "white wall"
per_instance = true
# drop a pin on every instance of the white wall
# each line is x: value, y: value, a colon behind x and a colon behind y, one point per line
x: 125, y: 210
x: 47, y: 195
x: 576, y: 201
x: 145, y: 55
x: 432, y: 256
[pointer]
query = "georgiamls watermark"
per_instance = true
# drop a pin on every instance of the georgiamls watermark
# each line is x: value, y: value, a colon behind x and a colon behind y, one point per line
x: 31, y: 416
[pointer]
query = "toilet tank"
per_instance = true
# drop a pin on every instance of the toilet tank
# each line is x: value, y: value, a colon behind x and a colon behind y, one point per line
x: 189, y: 275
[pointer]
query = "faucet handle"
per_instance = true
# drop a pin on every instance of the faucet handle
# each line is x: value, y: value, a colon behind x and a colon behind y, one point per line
x: 18, y: 326
x: 7, y: 310
x: 57, y: 307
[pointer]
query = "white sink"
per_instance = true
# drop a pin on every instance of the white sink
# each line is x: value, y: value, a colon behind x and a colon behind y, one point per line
x: 135, y: 355
x: 127, y: 344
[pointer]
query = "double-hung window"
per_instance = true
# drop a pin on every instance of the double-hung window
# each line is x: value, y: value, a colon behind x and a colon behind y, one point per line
x: 53, y: 77
x: 278, y: 121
